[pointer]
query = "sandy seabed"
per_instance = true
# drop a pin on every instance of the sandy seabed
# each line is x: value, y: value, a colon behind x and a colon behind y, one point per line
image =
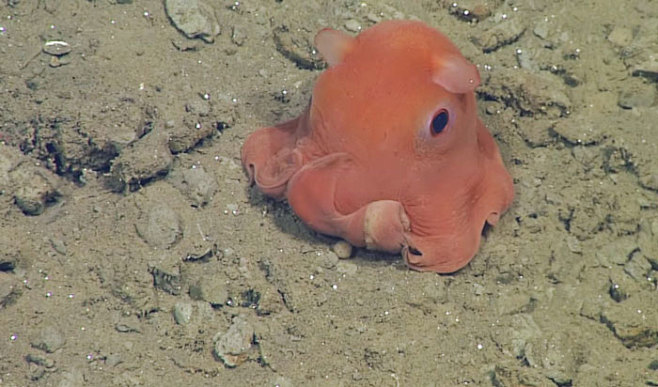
x: 133, y: 252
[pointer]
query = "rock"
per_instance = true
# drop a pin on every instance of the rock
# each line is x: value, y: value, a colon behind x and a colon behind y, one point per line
x: 297, y: 48
x: 10, y: 289
x: 647, y: 68
x: 159, y: 226
x: 113, y: 360
x: 36, y: 188
x: 195, y: 183
x: 635, y: 96
x: 209, y: 290
x: 536, y: 132
x: 40, y: 360
x: 182, y: 313
x: 532, y: 94
x: 638, y: 267
x: 352, y: 25
x: 634, y: 321
x: 620, y: 36
x: 190, y: 133
x: 501, y: 34
x: 581, y: 129
x: 140, y: 163
x: 648, y: 175
x: 194, y: 18
x: 170, y: 282
x: 342, y: 249
x: 270, y: 302
x: 50, y: 340
x: 238, y: 37
x: 232, y: 347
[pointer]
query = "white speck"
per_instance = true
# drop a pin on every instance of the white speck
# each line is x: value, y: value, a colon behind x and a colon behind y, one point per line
x: 234, y: 100
x: 13, y: 337
x: 480, y: 346
x: 49, y: 294
x: 197, y: 125
x: 311, y: 277
x: 334, y: 287
x: 71, y: 295
x: 519, y: 51
x: 206, y: 96
x: 504, y: 16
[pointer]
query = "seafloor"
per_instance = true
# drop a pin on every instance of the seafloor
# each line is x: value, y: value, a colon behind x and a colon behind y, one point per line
x: 133, y: 252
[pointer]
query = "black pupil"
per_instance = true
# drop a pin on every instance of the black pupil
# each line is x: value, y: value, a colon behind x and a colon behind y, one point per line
x: 439, y: 122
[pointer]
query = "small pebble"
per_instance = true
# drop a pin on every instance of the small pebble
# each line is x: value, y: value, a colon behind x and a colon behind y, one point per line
x: 342, y: 249
x: 113, y: 359
x: 232, y: 346
x: 182, y: 313
x: 352, y: 25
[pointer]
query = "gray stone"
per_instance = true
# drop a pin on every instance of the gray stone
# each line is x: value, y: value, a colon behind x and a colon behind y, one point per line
x: 342, y: 249
x: 634, y: 321
x: 210, y: 290
x: 50, y: 340
x: 194, y: 18
x: 232, y: 346
x: 195, y: 183
x: 500, y: 34
x: 160, y: 226
x: 635, y: 96
x: 35, y: 188
x: 182, y: 313
x: 638, y: 267
x: 113, y: 359
x: 141, y: 162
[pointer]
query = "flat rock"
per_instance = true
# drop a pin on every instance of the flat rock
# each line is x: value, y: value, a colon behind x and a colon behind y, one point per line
x: 634, y: 321
x: 159, y: 226
x: 140, y: 163
x: 530, y: 93
x: 194, y: 18
x: 195, y: 183
x: 232, y: 346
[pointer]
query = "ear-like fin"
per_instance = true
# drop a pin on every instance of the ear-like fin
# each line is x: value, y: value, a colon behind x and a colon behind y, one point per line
x: 455, y: 74
x: 333, y: 45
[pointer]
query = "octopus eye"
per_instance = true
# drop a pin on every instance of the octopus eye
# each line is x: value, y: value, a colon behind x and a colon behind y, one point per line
x: 439, y: 122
